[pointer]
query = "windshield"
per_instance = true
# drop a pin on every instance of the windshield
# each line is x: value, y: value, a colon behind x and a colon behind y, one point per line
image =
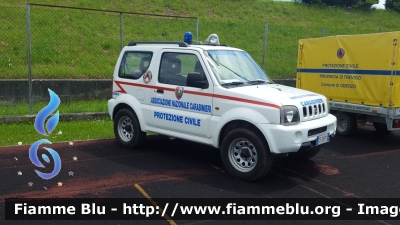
x: 235, y: 67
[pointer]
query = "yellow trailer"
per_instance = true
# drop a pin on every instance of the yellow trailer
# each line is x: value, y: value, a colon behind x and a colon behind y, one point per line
x: 359, y: 74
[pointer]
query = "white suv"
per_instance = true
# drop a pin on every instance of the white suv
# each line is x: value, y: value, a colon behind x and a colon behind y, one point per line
x: 215, y: 95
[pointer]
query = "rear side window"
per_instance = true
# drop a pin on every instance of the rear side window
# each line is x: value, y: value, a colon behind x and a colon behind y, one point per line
x: 134, y: 64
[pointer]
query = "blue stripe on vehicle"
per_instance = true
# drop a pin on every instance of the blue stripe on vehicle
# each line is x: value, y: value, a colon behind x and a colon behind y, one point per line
x: 369, y: 72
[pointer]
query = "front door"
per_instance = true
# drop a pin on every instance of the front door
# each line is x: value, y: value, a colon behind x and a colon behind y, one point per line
x: 174, y: 105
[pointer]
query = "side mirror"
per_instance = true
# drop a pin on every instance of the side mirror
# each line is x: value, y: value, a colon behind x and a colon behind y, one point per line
x: 195, y: 79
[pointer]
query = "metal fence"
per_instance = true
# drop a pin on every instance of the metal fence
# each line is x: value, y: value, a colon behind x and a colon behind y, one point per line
x: 44, y: 41
x: 13, y: 46
x: 84, y: 43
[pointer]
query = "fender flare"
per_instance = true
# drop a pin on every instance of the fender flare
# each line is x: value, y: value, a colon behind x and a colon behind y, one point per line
x: 135, y: 106
x: 239, y: 114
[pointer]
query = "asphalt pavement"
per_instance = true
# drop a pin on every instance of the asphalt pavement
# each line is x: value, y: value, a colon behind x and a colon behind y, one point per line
x: 365, y: 165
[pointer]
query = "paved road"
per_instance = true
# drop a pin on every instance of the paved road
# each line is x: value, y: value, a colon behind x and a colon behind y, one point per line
x: 362, y: 166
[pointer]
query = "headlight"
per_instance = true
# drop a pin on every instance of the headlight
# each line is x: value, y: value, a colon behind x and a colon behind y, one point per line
x: 289, y: 115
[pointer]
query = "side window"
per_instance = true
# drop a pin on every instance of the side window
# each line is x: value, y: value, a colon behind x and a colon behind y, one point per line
x: 175, y: 67
x: 134, y: 64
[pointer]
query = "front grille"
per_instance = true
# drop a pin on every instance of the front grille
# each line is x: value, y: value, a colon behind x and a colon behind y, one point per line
x: 317, y: 131
x: 313, y: 110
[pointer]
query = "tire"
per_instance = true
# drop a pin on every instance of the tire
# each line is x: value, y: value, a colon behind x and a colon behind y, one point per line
x: 245, y: 154
x: 301, y: 156
x: 346, y: 124
x: 127, y: 129
x: 381, y: 127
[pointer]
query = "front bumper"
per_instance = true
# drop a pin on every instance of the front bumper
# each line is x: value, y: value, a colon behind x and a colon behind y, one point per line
x: 299, y: 137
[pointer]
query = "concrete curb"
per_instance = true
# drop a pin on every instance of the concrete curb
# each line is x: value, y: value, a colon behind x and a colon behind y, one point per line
x: 68, y: 89
x: 63, y: 117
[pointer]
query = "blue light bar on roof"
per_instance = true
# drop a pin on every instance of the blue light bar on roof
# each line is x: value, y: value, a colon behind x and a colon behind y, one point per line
x: 188, y: 37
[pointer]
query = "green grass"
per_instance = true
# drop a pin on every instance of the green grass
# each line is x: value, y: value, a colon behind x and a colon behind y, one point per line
x: 15, y: 109
x: 85, y: 44
x: 25, y: 133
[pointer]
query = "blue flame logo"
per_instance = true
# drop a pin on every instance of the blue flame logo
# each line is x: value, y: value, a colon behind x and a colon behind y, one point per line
x: 45, y: 112
x: 35, y: 160
x: 50, y: 126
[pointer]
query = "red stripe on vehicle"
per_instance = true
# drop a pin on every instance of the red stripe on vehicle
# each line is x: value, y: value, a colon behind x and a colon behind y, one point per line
x: 196, y: 93
x: 246, y: 101
x: 199, y: 93
x: 121, y: 89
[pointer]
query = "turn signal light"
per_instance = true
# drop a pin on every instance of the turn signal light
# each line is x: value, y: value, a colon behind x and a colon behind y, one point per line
x: 396, y: 123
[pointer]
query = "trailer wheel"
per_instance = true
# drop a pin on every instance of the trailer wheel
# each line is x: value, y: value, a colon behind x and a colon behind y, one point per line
x: 346, y: 123
x: 381, y: 127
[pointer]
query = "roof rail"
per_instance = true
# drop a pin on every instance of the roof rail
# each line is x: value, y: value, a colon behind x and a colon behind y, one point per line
x: 213, y: 45
x: 181, y: 44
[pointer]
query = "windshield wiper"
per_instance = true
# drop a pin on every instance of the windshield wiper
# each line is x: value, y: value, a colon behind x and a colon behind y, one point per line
x: 232, y: 83
x: 258, y: 81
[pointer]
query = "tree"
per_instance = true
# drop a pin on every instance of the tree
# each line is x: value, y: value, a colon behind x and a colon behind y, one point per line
x: 365, y: 4
x: 358, y: 4
x: 393, y: 5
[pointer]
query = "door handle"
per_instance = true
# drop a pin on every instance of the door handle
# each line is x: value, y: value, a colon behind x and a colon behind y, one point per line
x: 160, y: 91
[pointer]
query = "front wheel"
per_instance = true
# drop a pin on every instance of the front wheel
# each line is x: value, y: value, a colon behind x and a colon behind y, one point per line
x: 127, y: 129
x: 245, y: 154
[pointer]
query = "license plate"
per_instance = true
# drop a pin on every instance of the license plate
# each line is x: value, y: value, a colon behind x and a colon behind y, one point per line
x: 321, y: 139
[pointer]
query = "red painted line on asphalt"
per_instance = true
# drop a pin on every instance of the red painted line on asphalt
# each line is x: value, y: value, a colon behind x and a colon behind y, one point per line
x: 96, y: 186
x: 327, y: 170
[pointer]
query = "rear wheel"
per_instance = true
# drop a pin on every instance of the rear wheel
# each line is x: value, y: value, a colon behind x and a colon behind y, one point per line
x: 245, y: 154
x: 381, y: 127
x: 346, y: 123
x: 127, y: 129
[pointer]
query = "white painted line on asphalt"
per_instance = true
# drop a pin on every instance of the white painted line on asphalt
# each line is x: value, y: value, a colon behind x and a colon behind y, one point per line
x: 317, y: 192
x: 217, y: 168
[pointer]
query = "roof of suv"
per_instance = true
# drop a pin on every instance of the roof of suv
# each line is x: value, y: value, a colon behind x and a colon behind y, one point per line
x: 178, y: 45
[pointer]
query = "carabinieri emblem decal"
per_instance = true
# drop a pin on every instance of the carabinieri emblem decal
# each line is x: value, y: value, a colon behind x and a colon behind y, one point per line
x: 178, y: 92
